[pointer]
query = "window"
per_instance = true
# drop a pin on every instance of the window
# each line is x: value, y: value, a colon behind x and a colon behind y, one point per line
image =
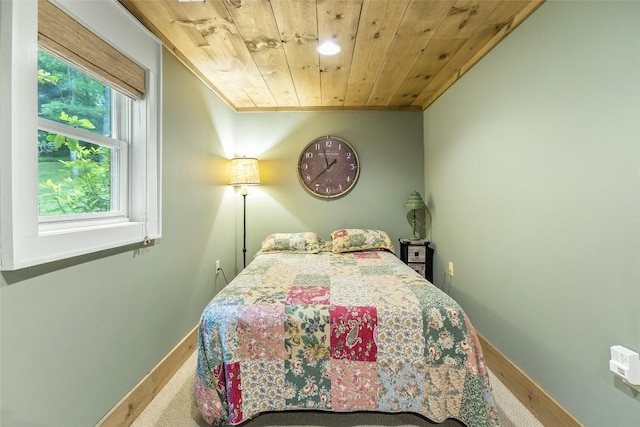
x: 82, y: 144
x: 79, y: 130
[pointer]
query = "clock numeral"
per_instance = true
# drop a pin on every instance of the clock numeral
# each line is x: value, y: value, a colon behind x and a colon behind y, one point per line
x: 305, y: 166
x: 348, y: 155
x: 308, y: 177
x: 308, y: 155
x: 349, y: 178
x: 340, y: 186
x: 317, y: 146
x: 329, y: 143
x: 353, y: 166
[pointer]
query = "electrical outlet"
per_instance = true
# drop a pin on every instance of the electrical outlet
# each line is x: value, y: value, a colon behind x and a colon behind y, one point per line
x: 218, y: 266
x: 625, y: 363
x: 450, y: 270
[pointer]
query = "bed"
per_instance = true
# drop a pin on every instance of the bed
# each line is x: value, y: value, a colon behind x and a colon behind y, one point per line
x: 338, y: 326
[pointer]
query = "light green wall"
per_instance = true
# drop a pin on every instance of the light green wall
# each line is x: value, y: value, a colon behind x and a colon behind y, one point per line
x: 532, y: 165
x: 390, y: 150
x: 79, y: 334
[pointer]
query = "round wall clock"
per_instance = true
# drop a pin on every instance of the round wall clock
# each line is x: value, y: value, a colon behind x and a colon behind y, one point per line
x: 328, y: 167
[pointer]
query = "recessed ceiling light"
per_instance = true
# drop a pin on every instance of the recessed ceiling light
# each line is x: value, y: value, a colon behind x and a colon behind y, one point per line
x: 329, y: 48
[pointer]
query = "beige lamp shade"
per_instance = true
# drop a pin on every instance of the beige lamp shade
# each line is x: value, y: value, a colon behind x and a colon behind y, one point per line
x: 244, y: 171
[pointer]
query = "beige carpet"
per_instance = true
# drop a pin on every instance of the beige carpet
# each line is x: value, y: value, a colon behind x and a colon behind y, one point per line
x: 174, y: 407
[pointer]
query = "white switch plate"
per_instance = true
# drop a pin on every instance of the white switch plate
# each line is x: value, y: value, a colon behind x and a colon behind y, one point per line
x: 450, y: 270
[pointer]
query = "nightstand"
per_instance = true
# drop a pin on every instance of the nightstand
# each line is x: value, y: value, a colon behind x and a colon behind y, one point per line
x: 418, y: 255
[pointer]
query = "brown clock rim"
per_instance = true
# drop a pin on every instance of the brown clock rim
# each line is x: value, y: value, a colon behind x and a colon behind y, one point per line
x: 336, y: 196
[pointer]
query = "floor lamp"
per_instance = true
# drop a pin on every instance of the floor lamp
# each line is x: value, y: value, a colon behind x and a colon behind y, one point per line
x: 244, y: 172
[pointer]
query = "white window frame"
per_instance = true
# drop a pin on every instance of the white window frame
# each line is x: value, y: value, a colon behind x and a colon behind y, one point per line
x: 24, y: 241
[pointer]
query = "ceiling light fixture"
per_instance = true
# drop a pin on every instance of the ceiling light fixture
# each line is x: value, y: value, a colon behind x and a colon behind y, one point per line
x: 329, y: 48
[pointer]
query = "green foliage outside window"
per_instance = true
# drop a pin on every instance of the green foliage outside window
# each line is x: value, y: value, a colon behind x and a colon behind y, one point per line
x: 74, y: 176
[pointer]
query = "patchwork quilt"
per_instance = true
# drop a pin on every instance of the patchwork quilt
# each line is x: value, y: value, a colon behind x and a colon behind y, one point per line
x: 358, y: 331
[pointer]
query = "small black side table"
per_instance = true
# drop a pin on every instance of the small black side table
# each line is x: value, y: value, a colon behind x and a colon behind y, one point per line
x: 419, y: 256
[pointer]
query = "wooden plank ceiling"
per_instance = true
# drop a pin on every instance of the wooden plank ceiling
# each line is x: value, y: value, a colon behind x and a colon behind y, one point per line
x: 260, y: 55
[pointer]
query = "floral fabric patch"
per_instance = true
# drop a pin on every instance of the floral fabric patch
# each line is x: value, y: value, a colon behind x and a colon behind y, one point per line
x: 353, y: 333
x: 353, y: 385
x: 308, y: 295
x: 308, y: 383
x: 262, y: 386
x: 306, y: 334
x: 234, y: 391
x: 262, y: 331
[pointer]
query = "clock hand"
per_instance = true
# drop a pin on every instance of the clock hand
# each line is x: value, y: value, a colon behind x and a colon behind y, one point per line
x: 325, y: 156
x: 325, y: 169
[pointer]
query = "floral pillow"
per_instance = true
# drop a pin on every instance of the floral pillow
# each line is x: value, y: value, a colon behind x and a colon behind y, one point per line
x: 326, y: 246
x: 307, y: 242
x: 358, y: 239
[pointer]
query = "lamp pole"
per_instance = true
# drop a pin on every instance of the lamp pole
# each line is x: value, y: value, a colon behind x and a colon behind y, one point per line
x: 244, y: 227
x: 244, y: 171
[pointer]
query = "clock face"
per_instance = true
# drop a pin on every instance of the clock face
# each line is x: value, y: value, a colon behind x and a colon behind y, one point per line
x: 328, y: 167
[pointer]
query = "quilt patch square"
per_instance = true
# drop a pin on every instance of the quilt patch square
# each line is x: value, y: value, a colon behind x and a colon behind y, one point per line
x: 401, y: 387
x: 446, y: 343
x: 353, y: 385
x: 311, y: 280
x: 207, y: 399
x: 227, y: 337
x: 308, y: 384
x: 444, y: 387
x: 390, y: 292
x: 380, y: 270
x: 264, y: 296
x: 308, y: 295
x: 400, y: 334
x: 345, y: 292
x: 340, y: 260
x: 344, y: 272
x: 263, y: 386
x: 368, y: 258
x: 474, y: 394
x: 234, y: 391
x: 353, y: 333
x: 306, y: 332
x: 281, y: 276
x: 261, y: 331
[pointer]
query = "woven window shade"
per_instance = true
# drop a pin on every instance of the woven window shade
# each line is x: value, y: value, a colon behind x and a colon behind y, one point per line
x: 63, y: 36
